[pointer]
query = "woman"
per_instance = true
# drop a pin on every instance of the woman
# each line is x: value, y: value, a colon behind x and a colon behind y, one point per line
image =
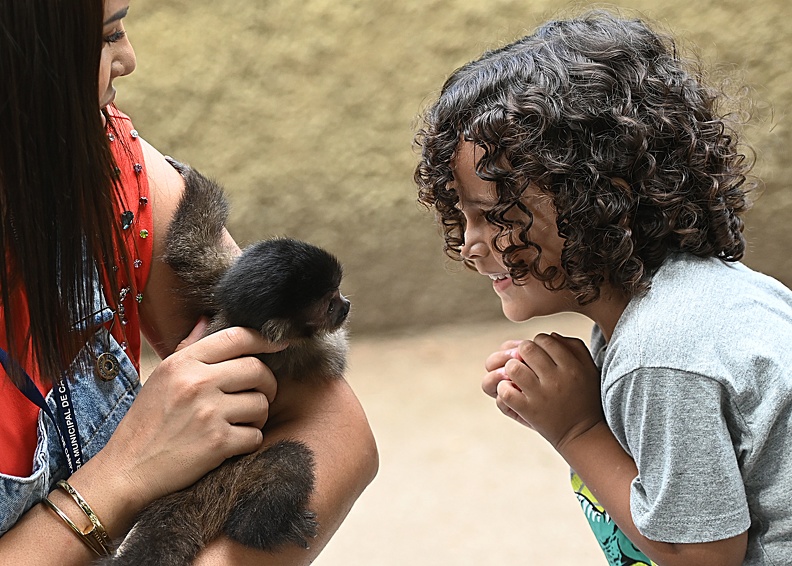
x: 83, y: 201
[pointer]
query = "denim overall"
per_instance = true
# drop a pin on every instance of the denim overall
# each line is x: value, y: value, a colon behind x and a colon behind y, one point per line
x: 98, y: 406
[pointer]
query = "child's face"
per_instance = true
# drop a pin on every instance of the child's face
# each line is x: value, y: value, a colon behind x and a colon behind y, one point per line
x: 476, y: 196
x: 118, y: 58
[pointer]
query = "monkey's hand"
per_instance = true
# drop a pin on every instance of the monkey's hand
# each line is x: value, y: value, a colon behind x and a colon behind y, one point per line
x: 271, y: 509
x: 550, y: 384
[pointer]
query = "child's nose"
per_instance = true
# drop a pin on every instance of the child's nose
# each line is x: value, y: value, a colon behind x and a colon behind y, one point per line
x: 474, y: 247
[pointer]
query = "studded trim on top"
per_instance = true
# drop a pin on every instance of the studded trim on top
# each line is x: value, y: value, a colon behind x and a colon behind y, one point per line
x: 135, y: 220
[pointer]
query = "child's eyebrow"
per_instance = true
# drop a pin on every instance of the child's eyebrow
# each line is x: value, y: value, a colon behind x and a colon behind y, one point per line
x: 474, y: 203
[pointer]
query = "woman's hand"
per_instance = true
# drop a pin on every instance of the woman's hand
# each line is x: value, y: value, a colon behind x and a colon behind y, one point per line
x: 204, y: 403
x: 550, y: 384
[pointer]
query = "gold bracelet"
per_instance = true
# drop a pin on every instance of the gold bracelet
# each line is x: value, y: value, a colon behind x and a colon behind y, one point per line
x: 98, y: 532
x: 89, y: 542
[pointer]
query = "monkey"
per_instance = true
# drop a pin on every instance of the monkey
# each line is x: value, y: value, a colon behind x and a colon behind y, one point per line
x: 288, y: 290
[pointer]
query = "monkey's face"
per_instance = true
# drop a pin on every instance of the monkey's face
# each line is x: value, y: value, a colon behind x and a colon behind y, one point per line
x: 319, y: 317
x: 328, y: 314
x: 287, y: 288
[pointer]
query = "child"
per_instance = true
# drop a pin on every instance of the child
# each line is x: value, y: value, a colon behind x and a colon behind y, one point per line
x: 587, y: 168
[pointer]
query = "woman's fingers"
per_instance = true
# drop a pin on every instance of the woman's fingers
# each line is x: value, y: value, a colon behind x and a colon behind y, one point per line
x: 242, y: 439
x: 231, y: 343
x: 205, y: 402
x: 247, y: 373
x: 249, y: 408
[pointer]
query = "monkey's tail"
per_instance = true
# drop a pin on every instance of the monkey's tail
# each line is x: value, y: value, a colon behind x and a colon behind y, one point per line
x: 167, y: 533
x: 195, y: 248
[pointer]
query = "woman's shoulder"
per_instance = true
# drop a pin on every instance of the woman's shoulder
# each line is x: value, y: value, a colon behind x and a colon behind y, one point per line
x: 165, y: 320
x: 164, y: 182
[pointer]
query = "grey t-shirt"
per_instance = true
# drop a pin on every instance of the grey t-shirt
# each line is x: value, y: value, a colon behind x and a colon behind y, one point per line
x: 697, y: 388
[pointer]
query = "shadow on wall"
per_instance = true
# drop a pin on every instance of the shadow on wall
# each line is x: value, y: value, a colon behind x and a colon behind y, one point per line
x: 307, y: 116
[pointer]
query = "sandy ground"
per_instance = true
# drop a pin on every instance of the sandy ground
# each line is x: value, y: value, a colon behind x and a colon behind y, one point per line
x: 459, y: 483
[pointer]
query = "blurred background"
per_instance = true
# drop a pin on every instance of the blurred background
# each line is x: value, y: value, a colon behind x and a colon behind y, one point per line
x: 306, y: 112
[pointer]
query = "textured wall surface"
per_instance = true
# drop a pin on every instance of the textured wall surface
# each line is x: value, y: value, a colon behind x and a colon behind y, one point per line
x: 306, y: 112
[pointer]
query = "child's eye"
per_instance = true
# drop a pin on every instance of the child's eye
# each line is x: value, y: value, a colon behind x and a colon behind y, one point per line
x: 115, y: 36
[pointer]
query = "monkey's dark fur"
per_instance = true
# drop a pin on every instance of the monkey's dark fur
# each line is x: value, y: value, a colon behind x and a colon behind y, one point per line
x: 288, y: 290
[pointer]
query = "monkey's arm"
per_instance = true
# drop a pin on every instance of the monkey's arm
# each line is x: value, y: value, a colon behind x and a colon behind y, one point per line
x: 329, y: 419
x: 164, y: 320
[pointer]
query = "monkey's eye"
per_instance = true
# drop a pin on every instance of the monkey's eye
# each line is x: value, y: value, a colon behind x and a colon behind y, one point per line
x: 331, y: 307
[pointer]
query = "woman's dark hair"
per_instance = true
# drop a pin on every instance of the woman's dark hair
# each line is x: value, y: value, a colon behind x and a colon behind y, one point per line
x: 602, y: 114
x: 56, y: 176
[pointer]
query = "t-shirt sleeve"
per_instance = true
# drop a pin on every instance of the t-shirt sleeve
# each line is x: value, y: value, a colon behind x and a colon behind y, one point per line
x: 689, y: 488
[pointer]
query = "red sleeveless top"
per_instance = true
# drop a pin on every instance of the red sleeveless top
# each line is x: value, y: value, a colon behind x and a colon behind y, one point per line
x: 18, y: 430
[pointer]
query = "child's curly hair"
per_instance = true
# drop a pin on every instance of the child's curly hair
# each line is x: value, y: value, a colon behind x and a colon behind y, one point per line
x: 603, y: 115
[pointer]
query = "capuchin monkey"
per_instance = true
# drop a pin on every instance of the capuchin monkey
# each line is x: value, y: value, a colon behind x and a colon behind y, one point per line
x: 289, y: 291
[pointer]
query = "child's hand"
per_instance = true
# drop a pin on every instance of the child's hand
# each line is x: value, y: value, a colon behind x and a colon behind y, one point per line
x: 549, y: 383
x: 496, y: 373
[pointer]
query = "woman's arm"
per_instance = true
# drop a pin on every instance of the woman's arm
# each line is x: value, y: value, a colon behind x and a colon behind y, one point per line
x: 164, y: 321
x: 327, y: 416
x: 187, y: 419
x: 329, y: 419
x: 205, y: 403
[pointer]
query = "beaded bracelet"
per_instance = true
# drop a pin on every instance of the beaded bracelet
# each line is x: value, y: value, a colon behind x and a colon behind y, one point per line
x: 97, y: 538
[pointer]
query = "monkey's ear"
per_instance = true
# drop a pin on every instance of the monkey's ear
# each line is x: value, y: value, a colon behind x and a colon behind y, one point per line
x: 182, y: 168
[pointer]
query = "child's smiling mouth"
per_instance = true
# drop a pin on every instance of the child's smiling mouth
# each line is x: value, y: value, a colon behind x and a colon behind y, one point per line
x: 498, y: 276
x: 500, y: 281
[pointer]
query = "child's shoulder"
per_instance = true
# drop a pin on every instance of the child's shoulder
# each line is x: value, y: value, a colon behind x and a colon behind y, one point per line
x: 703, y: 315
x: 694, y: 292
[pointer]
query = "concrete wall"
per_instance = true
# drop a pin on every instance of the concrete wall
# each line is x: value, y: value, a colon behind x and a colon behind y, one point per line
x: 306, y: 111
